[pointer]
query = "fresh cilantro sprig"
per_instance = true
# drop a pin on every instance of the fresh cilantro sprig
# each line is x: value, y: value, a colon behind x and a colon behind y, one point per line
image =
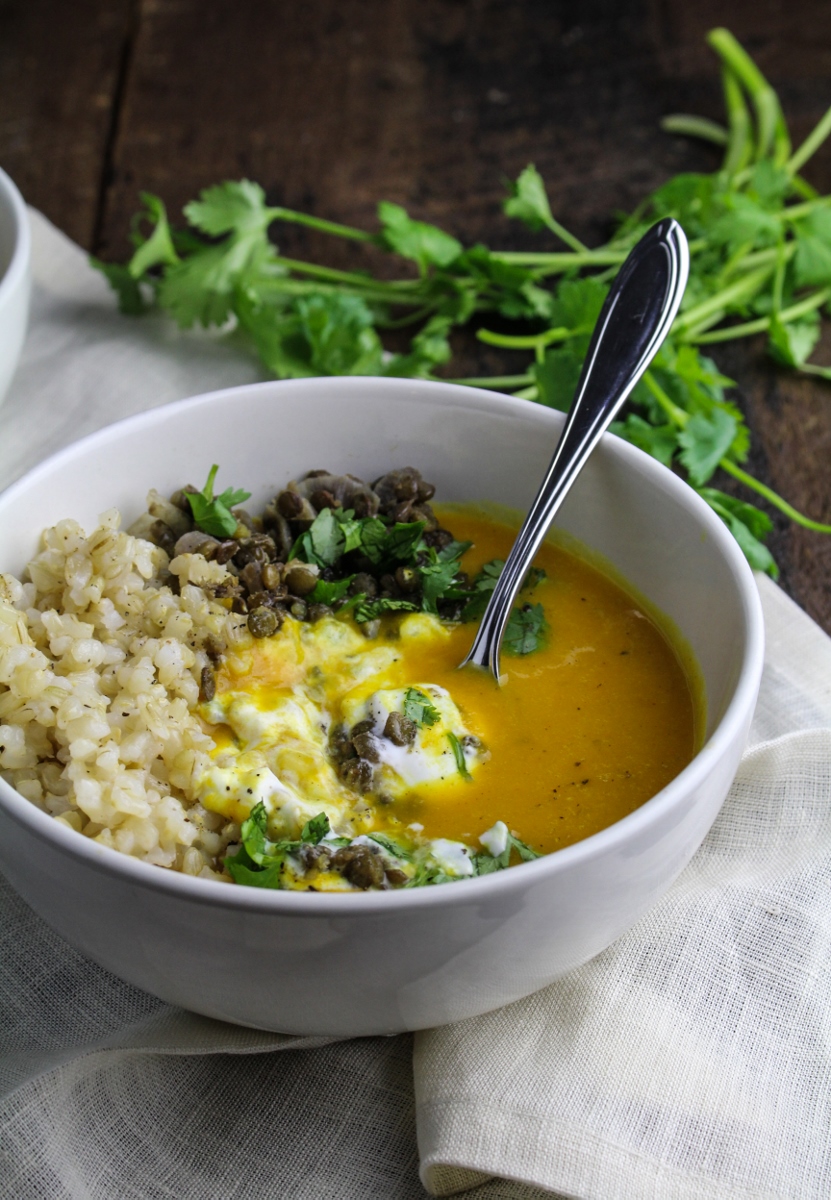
x: 760, y: 242
x: 213, y: 513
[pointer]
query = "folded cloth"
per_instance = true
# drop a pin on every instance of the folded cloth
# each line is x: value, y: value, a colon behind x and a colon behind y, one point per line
x: 692, y: 1059
x: 689, y: 1060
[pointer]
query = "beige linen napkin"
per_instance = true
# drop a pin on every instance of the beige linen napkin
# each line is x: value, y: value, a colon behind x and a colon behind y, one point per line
x: 689, y: 1060
x: 693, y: 1058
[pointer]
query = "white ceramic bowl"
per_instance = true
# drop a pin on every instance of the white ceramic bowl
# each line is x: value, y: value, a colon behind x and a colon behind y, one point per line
x: 15, y: 278
x: 380, y: 962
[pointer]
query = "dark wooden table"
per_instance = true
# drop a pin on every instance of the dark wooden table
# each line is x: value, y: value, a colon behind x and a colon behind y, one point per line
x: 335, y: 104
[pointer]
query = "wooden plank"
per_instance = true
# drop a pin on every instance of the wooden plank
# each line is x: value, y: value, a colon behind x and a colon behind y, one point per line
x: 59, y: 72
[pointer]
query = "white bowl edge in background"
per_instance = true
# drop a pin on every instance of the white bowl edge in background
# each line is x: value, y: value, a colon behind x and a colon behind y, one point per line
x: 15, y: 278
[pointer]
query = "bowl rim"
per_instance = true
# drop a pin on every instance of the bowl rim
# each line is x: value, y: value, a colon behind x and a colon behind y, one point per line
x: 214, y: 893
x: 19, y: 262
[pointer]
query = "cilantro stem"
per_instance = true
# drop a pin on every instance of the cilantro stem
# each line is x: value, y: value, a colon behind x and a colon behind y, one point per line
x: 814, y: 369
x: 803, y: 188
x: 797, y: 211
x: 758, y: 258
x: 772, y: 497
x: 675, y: 414
x: 356, y: 277
x: 772, y: 133
x: 558, y: 262
x: 563, y: 234
x: 698, y: 127
x: 740, y: 138
x: 748, y: 328
x: 367, y: 291
x: 811, y: 144
x: 742, y: 290
x: 528, y: 341
x: 208, y: 489
x: 694, y: 334
x: 779, y: 275
x: 496, y: 381
x: 299, y: 218
x: 411, y: 318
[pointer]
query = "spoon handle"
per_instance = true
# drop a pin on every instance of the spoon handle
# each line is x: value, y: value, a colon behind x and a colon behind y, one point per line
x: 633, y: 322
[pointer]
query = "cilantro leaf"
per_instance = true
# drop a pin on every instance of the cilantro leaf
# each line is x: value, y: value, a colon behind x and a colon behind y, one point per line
x: 791, y: 343
x: 770, y: 184
x: 690, y: 198
x: 231, y: 206
x: 351, y: 528
x: 402, y: 539
x: 485, y: 582
x: 425, y: 244
x: 453, y: 550
x: 748, y: 524
x: 576, y: 306
x: 374, y: 539
x: 338, y: 331
x: 157, y: 249
x: 534, y: 576
x: 368, y: 610
x: 315, y: 829
x: 661, y: 441
x: 263, y: 877
x: 704, y: 440
x: 557, y: 377
x: 436, y: 579
x: 459, y: 755
x: 528, y: 201
x: 812, y: 259
x: 200, y: 289
x: 486, y: 863
x: 392, y: 847
x: 253, y: 833
x: 746, y: 223
x: 328, y: 591
x: 524, y: 851
x: 526, y: 630
x: 213, y: 514
x: 130, y: 298
x: 419, y: 708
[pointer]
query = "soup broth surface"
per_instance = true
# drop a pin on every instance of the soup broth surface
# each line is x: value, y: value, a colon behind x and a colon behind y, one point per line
x: 580, y: 733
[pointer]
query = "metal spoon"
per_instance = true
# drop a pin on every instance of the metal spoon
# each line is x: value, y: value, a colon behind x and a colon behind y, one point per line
x: 633, y: 323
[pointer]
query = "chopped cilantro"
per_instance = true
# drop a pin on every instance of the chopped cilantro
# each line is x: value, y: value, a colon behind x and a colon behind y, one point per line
x: 315, y: 829
x: 392, y: 847
x: 213, y: 513
x: 419, y: 708
x: 368, y: 610
x: 526, y: 630
x: 459, y: 755
x: 328, y: 591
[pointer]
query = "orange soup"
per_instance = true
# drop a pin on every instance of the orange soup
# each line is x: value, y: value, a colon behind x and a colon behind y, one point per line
x: 581, y: 732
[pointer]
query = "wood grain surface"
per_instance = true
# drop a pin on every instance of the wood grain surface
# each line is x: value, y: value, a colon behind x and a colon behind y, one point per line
x: 335, y: 104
